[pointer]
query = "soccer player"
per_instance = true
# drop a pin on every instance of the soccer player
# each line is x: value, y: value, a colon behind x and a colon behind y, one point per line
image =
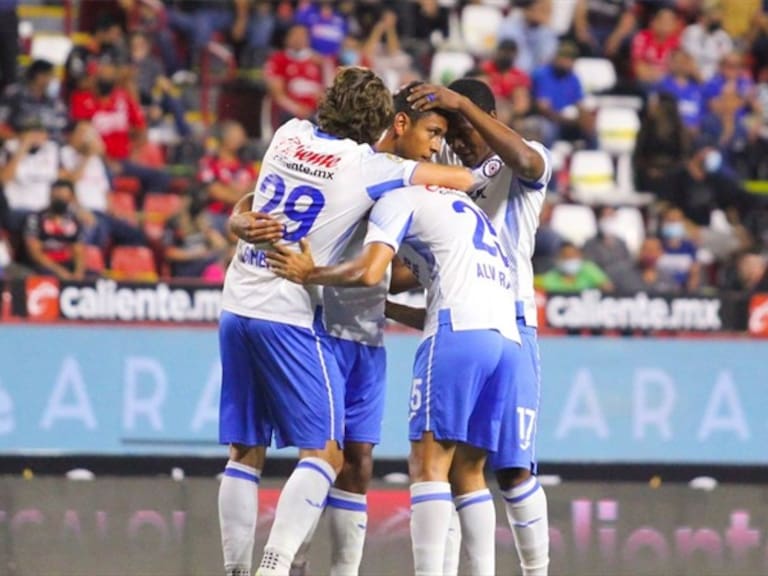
x: 279, y: 375
x: 354, y: 317
x: 517, y: 173
x: 463, y: 367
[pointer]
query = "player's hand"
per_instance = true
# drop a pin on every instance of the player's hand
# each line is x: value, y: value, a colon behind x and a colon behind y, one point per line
x: 255, y: 227
x: 428, y: 96
x: 293, y: 266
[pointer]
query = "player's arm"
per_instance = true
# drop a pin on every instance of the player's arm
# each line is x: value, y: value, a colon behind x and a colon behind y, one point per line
x: 430, y: 174
x: 508, y: 144
x: 406, y: 315
x: 368, y: 269
x: 402, y: 279
x: 253, y: 227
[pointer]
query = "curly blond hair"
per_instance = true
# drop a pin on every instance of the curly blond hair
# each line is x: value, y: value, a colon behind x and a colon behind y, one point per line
x: 357, y: 106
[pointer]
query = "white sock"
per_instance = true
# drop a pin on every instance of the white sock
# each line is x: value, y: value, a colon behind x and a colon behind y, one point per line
x: 300, y: 564
x: 431, y: 509
x: 478, y: 531
x: 527, y: 514
x: 348, y: 514
x: 238, y: 508
x: 452, y: 546
x: 299, y: 507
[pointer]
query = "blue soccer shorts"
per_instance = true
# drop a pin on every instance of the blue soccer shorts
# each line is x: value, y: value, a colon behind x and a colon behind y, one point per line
x: 364, y: 371
x: 460, y: 385
x: 278, y: 379
x: 517, y: 441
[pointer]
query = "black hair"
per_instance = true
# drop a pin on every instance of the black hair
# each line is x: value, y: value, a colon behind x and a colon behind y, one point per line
x: 63, y: 183
x: 38, y: 68
x: 400, y: 100
x: 477, y: 91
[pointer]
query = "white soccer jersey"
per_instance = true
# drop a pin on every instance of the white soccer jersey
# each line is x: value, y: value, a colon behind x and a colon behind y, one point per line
x: 356, y: 313
x: 320, y: 187
x: 513, y: 206
x: 452, y: 248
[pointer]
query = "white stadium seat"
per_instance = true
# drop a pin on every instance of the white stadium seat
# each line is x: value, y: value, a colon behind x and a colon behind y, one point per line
x: 595, y: 74
x: 629, y: 226
x: 574, y: 222
x: 617, y: 129
x: 479, y: 28
x: 51, y: 47
x: 447, y: 66
x: 592, y: 176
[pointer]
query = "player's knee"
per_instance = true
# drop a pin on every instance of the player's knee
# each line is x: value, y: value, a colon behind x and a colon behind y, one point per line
x: 508, y: 478
x: 358, y: 468
x: 252, y: 456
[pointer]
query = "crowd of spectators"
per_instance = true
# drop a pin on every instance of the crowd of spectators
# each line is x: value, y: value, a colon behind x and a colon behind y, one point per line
x: 82, y: 165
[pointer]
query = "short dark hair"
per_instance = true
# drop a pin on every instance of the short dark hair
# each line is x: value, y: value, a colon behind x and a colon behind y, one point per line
x: 477, y: 91
x: 38, y: 68
x: 63, y: 183
x: 400, y: 100
x: 357, y: 106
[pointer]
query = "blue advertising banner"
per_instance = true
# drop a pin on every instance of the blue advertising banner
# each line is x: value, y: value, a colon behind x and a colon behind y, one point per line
x: 138, y: 390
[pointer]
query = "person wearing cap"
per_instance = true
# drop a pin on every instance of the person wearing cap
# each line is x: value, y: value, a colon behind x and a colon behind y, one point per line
x: 706, y: 40
x: 529, y: 28
x: 558, y: 96
x: 30, y: 164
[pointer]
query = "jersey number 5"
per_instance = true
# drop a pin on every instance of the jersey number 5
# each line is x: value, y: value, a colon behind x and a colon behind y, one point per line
x: 302, y: 205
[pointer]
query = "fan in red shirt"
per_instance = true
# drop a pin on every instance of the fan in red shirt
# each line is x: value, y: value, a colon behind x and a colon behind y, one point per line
x: 510, y: 85
x: 114, y: 113
x: 294, y: 77
x: 652, y: 47
x: 226, y: 177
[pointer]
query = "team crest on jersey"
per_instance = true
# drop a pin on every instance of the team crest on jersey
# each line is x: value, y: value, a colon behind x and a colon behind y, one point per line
x: 491, y: 167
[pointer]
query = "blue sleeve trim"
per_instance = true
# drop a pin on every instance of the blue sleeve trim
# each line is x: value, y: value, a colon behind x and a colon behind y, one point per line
x: 377, y: 190
x: 405, y: 229
x: 531, y: 184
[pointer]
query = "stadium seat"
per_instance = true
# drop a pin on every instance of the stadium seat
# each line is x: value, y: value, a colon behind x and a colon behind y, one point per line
x: 479, y: 27
x: 592, y: 176
x: 157, y: 209
x: 123, y: 205
x: 617, y: 130
x: 126, y: 184
x: 595, y: 74
x: 447, y: 66
x: 629, y: 226
x: 562, y: 16
x: 133, y: 263
x: 94, y: 259
x: 574, y: 222
x: 51, y: 47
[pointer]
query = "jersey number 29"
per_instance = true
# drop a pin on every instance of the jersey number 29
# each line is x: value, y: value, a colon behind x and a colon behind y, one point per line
x: 302, y: 205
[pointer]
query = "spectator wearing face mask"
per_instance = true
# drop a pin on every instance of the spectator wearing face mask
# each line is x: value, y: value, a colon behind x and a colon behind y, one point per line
x: 573, y: 274
x: 679, y: 260
x: 53, y: 236
x: 706, y: 41
x: 294, y: 77
x: 510, y: 85
x: 225, y: 177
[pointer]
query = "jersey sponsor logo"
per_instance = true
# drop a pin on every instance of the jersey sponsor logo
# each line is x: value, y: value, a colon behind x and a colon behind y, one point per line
x: 592, y: 310
x: 296, y: 156
x: 42, y: 298
x: 758, y: 315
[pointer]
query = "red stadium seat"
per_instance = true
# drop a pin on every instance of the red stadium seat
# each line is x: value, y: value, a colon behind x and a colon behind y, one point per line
x: 123, y: 205
x: 127, y: 184
x: 157, y: 209
x: 94, y: 259
x: 133, y: 263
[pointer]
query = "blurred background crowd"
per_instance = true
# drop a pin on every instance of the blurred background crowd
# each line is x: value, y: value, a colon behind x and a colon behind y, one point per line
x: 130, y: 128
